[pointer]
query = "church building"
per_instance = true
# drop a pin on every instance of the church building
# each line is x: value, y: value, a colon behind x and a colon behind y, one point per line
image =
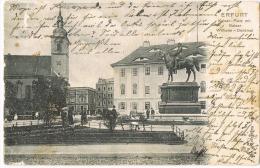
x: 23, y: 70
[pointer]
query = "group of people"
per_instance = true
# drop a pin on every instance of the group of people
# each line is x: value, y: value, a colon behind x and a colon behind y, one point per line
x: 148, y: 113
x: 141, y: 119
x: 67, y: 116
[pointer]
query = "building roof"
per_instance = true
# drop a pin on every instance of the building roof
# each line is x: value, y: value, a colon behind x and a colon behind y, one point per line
x: 27, y: 65
x: 149, y: 54
x: 81, y: 88
x: 60, y: 32
x: 105, y: 81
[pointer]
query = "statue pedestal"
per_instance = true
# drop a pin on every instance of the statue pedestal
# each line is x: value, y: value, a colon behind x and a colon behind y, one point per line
x: 179, y: 98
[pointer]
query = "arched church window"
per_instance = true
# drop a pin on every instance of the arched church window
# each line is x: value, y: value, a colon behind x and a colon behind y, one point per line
x: 28, y: 91
x: 58, y: 46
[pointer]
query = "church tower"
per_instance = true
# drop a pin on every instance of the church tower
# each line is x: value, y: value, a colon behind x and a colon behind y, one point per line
x: 60, y: 50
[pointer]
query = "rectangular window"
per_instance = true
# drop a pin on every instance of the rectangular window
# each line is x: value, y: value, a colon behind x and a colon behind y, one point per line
x: 122, y: 73
x: 122, y: 106
x: 134, y: 88
x: 122, y: 88
x: 203, y: 68
x: 134, y: 106
x: 147, y: 89
x: 147, y: 105
x: 134, y: 71
x: 82, y: 98
x: 160, y: 70
x: 147, y: 70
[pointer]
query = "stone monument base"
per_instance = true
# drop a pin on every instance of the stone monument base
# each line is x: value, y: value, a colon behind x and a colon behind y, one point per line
x: 179, y: 108
x: 180, y: 98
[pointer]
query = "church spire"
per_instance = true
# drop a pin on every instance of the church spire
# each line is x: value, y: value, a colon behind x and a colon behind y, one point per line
x: 60, y: 19
x: 60, y: 10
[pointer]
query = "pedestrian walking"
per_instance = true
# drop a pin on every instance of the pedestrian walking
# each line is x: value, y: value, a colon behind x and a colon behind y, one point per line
x: 152, y: 113
x: 142, y: 120
x: 63, y: 118
x: 70, y: 116
x: 114, y: 113
x: 147, y: 113
x: 82, y: 117
x: 85, y: 116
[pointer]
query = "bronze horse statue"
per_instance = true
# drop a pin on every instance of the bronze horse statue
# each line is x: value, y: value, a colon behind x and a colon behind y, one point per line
x: 174, y: 63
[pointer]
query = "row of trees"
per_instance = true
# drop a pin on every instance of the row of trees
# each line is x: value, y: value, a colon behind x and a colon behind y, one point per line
x: 49, y: 97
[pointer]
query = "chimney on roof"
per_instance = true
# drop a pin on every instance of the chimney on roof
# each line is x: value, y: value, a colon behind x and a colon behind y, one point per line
x: 170, y: 42
x: 146, y: 43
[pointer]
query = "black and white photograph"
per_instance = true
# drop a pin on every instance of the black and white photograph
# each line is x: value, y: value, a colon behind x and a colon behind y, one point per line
x: 130, y: 82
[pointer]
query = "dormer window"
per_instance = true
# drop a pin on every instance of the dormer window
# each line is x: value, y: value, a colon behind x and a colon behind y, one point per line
x: 141, y: 59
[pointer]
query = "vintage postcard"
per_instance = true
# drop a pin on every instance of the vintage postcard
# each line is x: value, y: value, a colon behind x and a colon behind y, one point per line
x: 118, y: 82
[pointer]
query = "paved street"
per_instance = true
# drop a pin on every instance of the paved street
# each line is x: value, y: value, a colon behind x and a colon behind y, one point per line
x: 97, y: 149
x: 103, y: 154
x: 93, y: 154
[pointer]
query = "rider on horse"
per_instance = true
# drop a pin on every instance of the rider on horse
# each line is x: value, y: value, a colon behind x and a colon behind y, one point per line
x: 176, y: 57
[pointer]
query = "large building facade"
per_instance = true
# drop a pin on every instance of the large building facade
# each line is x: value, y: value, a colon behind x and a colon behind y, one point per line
x: 138, y: 77
x: 82, y: 99
x: 105, y: 94
x: 22, y: 70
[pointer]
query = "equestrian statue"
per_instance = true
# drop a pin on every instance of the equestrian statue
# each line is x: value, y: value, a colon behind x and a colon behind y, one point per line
x: 174, y: 61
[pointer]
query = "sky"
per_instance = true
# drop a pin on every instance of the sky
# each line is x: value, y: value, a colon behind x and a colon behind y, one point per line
x: 85, y: 69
